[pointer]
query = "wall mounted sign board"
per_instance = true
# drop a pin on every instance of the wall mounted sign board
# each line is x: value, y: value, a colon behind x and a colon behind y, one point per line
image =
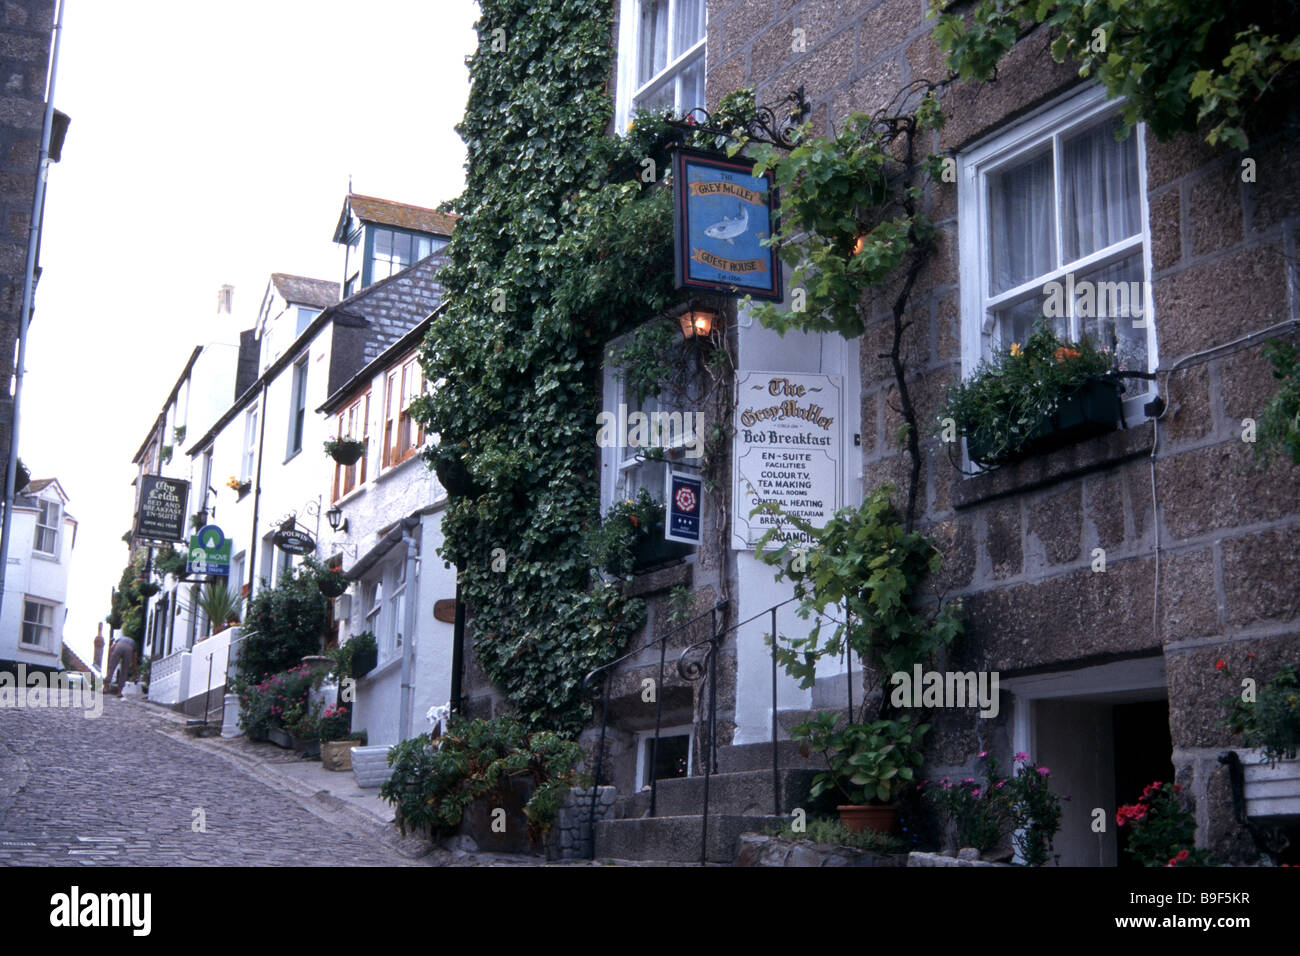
x: 788, y: 448
x: 161, y: 516
x: 294, y: 542
x: 722, y: 213
x: 685, y: 507
x: 209, y: 552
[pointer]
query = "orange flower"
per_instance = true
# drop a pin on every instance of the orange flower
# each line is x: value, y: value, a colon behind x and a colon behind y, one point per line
x: 1016, y: 350
x: 1064, y: 353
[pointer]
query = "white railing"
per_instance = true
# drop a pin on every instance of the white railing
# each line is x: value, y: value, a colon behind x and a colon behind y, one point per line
x: 191, y: 673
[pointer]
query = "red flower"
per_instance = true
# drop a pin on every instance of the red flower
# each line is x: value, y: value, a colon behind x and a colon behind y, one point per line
x: 1219, y: 665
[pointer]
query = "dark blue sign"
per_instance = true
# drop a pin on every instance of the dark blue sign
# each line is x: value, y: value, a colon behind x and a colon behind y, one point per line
x: 723, y: 212
x: 684, y: 504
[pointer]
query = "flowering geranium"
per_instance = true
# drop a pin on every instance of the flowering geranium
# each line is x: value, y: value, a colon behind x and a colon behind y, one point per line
x: 1161, y: 832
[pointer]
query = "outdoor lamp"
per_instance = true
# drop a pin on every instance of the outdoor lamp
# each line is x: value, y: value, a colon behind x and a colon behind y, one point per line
x: 696, y: 322
x: 335, y: 517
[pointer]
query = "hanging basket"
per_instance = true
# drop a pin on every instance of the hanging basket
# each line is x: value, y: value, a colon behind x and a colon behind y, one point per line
x: 345, y: 451
x: 333, y: 585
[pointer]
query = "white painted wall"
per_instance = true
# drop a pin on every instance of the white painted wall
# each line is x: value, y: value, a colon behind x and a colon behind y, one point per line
x: 761, y: 349
x: 37, y: 575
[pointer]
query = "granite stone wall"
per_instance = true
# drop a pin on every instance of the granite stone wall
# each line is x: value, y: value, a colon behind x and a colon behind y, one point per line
x: 1201, y: 540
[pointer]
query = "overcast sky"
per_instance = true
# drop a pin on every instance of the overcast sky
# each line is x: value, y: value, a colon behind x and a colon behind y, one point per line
x: 209, y: 144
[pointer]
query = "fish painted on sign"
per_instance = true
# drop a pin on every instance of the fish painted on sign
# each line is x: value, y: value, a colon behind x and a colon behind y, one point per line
x: 728, y: 229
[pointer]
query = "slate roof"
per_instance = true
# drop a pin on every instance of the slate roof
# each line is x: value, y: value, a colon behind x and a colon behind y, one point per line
x: 385, y: 212
x: 300, y: 290
x: 366, y: 323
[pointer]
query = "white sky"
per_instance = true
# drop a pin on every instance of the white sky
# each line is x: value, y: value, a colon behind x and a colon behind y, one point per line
x: 209, y: 143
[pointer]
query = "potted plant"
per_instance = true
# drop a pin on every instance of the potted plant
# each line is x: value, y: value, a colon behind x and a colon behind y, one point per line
x: 303, y: 724
x: 363, y: 654
x: 1270, y: 726
x: 331, y: 582
x: 1034, y: 398
x: 170, y: 561
x: 345, y: 450
x: 452, y: 472
x: 239, y: 487
x: 336, y: 741
x: 631, y: 538
x: 867, y: 764
x: 220, y: 605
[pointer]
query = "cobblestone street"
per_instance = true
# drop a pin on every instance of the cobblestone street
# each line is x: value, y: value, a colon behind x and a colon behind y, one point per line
x: 118, y: 790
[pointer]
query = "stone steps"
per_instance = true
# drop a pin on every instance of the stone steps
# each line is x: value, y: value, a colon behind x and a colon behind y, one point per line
x: 676, y: 839
x: 743, y: 793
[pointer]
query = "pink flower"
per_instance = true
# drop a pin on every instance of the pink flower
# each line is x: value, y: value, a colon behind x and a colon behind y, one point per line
x: 969, y: 780
x: 975, y: 792
x: 984, y: 753
x: 1044, y: 771
x: 1021, y: 756
x: 998, y: 785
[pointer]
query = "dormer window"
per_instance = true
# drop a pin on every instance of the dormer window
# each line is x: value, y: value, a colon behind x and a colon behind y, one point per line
x: 392, y: 250
x: 47, y: 528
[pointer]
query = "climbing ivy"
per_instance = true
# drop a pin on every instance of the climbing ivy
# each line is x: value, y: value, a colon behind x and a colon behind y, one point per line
x: 1181, y: 64
x: 564, y: 241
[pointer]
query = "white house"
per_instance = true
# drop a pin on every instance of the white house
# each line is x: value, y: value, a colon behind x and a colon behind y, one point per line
x: 36, y: 586
x: 387, y: 509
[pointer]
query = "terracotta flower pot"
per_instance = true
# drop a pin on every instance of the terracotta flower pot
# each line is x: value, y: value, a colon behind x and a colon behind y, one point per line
x: 881, y: 817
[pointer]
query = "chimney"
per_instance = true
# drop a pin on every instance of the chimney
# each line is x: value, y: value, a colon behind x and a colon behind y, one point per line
x: 225, y: 296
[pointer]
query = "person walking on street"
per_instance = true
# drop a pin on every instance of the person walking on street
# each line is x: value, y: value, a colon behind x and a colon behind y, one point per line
x: 120, y: 656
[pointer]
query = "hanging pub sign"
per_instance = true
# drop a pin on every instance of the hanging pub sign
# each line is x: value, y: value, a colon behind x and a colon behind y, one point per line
x: 722, y: 214
x: 209, y: 552
x: 684, y: 500
x: 788, y: 448
x: 161, y: 516
x: 293, y: 541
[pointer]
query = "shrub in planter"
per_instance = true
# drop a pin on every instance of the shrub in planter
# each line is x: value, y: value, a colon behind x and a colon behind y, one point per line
x: 435, y: 779
x: 335, y: 723
x: 1028, y: 399
x: 361, y: 654
x: 1161, y: 832
x: 285, y: 623
x: 278, y: 699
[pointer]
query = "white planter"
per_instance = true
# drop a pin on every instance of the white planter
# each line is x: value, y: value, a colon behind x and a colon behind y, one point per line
x: 230, y: 716
x: 370, y: 765
x: 1271, y: 791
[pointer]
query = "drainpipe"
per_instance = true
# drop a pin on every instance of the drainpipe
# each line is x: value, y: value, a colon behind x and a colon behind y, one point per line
x: 29, y: 283
x: 257, y: 494
x: 457, y: 649
x: 408, y: 627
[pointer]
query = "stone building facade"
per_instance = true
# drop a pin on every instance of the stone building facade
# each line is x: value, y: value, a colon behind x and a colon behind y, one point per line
x: 1200, y: 541
x: 1106, y: 676
x: 25, y: 37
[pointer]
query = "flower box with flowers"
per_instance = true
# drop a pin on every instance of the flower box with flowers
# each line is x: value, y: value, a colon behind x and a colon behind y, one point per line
x: 1034, y: 399
x: 631, y: 538
x: 1267, y: 715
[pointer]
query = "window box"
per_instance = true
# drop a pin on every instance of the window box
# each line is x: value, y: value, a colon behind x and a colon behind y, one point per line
x: 1270, y: 791
x: 652, y: 549
x: 365, y: 660
x: 280, y: 737
x: 1094, y: 408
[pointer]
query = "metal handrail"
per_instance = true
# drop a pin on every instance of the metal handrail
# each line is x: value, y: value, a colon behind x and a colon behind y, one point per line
x: 690, y: 670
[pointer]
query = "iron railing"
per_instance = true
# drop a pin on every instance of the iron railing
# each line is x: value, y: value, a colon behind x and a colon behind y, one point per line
x: 692, y: 669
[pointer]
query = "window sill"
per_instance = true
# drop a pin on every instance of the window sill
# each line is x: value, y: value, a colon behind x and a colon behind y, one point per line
x: 292, y: 455
x: 1094, y: 454
x: 396, y: 467
x: 383, y: 668
x: 45, y: 556
x: 660, y: 579
x: 356, y: 492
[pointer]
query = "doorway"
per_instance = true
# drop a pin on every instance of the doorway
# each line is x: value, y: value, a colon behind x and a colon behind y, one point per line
x: 1103, y: 732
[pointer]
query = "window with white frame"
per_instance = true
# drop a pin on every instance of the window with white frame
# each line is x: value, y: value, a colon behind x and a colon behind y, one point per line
x: 249, y: 460
x: 660, y: 56
x: 373, y: 592
x: 1054, y: 228
x: 297, y: 408
x: 47, y: 527
x: 38, y: 623
x: 669, y: 423
x: 396, y: 573
x: 383, y: 594
x: 402, y: 434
